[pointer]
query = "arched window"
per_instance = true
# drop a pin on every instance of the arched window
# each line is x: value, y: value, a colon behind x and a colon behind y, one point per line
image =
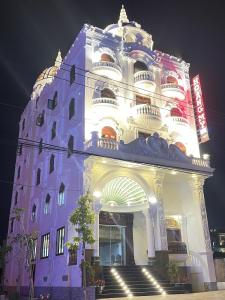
x: 171, y: 79
x: 16, y: 198
x: 108, y: 133
x: 33, y: 213
x: 53, y: 130
x: 40, y: 146
x: 70, y: 146
x: 61, y: 196
x: 52, y: 164
x: 140, y: 66
x: 38, y: 178
x: 18, y: 173
x: 23, y: 124
x: 107, y: 57
x: 71, y: 108
x: 107, y: 93
x: 175, y: 112
x: 47, y: 205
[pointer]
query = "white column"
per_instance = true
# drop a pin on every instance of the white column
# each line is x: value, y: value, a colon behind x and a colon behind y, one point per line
x: 159, y: 217
x: 97, y: 208
x: 150, y: 233
x: 96, y: 234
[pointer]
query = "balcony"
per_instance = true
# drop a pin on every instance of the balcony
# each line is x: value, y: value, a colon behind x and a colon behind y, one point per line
x: 173, y: 90
x: 104, y: 107
x: 144, y: 81
x: 177, y: 124
x: 147, y: 116
x: 107, y: 69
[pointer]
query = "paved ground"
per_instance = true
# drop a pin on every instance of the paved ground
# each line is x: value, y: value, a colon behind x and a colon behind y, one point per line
x: 217, y: 295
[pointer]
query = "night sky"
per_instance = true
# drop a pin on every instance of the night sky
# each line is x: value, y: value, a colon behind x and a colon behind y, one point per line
x: 33, y: 31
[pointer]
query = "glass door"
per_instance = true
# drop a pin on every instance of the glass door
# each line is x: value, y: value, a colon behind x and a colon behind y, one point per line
x: 112, y: 245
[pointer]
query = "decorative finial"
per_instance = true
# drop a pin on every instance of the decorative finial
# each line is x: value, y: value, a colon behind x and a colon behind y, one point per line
x: 58, y: 60
x: 123, y: 16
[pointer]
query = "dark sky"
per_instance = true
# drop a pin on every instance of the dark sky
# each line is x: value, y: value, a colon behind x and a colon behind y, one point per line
x: 32, y: 31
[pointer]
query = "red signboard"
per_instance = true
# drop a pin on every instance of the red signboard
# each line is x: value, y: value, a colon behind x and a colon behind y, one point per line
x: 199, y: 111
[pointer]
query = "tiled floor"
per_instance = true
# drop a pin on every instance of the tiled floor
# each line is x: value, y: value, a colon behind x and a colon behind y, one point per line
x: 217, y: 295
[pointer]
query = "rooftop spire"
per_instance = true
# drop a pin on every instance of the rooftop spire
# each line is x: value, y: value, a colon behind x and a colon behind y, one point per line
x: 123, y: 16
x: 58, y: 60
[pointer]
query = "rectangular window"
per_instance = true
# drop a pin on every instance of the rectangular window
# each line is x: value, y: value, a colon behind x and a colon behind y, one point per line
x: 45, y: 239
x: 60, y: 241
x: 11, y: 225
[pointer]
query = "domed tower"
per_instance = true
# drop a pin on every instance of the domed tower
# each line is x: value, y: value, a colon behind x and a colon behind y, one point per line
x: 46, y: 77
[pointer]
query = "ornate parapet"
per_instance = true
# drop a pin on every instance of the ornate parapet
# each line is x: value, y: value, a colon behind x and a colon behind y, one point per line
x: 153, y: 150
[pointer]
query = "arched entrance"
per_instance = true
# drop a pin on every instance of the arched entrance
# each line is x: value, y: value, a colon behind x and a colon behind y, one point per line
x: 121, y: 222
x: 108, y: 133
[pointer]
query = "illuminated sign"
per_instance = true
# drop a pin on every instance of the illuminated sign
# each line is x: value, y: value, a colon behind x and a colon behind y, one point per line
x: 199, y: 111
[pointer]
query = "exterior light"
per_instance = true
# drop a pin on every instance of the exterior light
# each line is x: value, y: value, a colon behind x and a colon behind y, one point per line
x: 206, y: 156
x: 97, y: 194
x: 152, y: 200
x: 173, y: 172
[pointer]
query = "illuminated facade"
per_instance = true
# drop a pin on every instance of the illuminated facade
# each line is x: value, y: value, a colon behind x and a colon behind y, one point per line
x: 130, y: 108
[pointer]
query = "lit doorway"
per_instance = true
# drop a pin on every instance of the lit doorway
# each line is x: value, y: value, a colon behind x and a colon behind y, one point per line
x: 112, y: 245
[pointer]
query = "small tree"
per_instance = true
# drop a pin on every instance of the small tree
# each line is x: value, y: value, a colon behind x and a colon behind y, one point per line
x: 173, y: 272
x: 83, y: 218
x: 25, y: 242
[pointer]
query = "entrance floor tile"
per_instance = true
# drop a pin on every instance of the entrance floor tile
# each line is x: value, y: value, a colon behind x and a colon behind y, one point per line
x: 215, y: 295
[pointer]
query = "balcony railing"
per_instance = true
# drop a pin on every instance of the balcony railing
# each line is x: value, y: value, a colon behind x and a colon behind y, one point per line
x: 143, y: 76
x: 172, y: 86
x: 173, y: 90
x: 103, y: 143
x: 146, y: 109
x: 106, y: 64
x: 201, y: 162
x: 179, y: 120
x: 105, y: 100
x: 177, y: 248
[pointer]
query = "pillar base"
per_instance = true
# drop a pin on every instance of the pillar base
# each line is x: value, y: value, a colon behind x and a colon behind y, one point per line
x: 151, y: 261
x: 95, y: 260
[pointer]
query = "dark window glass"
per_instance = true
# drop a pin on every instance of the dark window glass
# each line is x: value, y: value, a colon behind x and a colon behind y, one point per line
x: 40, y: 146
x: 52, y: 163
x: 40, y: 119
x: 38, y: 179
x: 140, y: 66
x: 60, y: 241
x: 53, y: 130
x: 71, y: 108
x: 11, y: 225
x: 33, y: 213
x: 52, y: 103
x: 72, y: 257
x: 18, y: 173
x: 45, y: 240
x: 70, y: 146
x: 23, y: 124
x: 47, y: 205
x: 72, y: 74
x: 16, y: 198
x: 61, y: 196
x: 107, y: 93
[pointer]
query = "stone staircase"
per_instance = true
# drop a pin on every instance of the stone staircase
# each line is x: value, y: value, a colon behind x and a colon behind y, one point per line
x: 136, y: 282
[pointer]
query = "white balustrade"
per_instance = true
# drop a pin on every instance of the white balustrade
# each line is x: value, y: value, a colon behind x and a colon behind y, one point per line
x: 143, y: 76
x: 106, y: 64
x: 105, y: 100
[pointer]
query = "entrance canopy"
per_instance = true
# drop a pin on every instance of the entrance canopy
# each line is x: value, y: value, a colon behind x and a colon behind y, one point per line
x: 123, y: 191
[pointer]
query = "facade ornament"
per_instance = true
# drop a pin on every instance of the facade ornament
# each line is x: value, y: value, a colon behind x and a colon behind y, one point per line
x: 123, y: 16
x: 197, y: 186
x: 88, y: 166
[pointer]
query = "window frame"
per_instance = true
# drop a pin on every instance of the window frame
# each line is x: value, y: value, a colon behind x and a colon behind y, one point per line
x: 45, y: 248
x: 60, y: 241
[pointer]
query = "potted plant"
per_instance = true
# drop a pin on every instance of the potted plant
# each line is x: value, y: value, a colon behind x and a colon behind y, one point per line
x: 173, y: 272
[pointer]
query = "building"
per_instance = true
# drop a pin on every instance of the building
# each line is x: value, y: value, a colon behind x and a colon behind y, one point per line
x: 130, y: 109
x: 218, y: 242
